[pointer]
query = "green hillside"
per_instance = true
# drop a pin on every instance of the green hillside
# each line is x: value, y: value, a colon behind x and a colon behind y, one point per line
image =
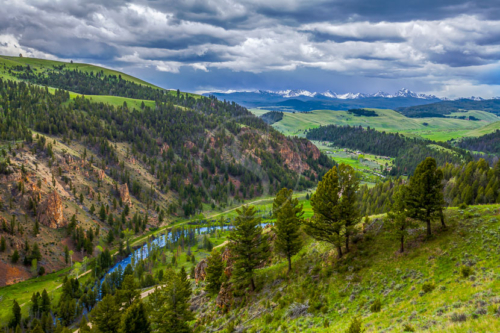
x: 439, y: 129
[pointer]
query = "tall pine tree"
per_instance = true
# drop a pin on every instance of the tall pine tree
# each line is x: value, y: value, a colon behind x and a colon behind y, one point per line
x: 288, y: 214
x: 248, y: 245
x: 425, y: 193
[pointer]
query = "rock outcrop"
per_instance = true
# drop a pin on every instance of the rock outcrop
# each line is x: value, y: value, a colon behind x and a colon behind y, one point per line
x: 13, y: 177
x: 292, y: 159
x: 50, y: 211
x: 225, y: 297
x: 199, y: 271
x: 101, y: 174
x: 124, y: 194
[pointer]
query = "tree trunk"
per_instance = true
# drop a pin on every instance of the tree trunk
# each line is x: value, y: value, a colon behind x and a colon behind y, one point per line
x: 428, y: 221
x: 347, y: 243
x: 289, y: 264
x: 339, y: 249
x: 402, y: 244
x: 252, y: 284
x: 442, y: 221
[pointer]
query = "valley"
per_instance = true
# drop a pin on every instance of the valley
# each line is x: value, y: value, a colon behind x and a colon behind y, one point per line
x: 222, y: 220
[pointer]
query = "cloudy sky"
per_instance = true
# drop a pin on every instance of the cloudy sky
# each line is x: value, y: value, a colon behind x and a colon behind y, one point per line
x: 447, y: 47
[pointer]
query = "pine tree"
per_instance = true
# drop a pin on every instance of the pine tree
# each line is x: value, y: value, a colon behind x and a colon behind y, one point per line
x: 3, y: 246
x: 335, y: 212
x: 45, y: 303
x: 15, y: 257
x: 425, y: 193
x: 398, y: 216
x: 128, y: 292
x: 135, y: 319
x: 170, y: 306
x: 66, y: 254
x: 288, y: 214
x: 106, y: 315
x: 214, y: 272
x: 102, y: 213
x: 248, y: 245
x: 16, y: 315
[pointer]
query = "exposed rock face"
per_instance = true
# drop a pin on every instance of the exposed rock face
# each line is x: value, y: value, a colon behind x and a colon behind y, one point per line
x: 309, y: 146
x: 199, y: 271
x: 164, y: 148
x: 100, y: 174
x: 189, y: 144
x: 50, y: 211
x: 292, y: 159
x: 124, y: 194
x: 225, y: 297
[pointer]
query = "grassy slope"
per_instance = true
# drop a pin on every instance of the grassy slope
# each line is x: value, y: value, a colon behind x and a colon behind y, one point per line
x: 41, y: 64
x: 440, y: 129
x: 376, y: 270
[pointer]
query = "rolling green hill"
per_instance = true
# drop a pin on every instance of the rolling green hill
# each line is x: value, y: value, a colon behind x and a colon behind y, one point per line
x: 439, y: 129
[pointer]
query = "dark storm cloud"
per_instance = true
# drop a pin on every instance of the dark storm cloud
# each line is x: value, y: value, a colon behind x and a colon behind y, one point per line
x: 438, y: 44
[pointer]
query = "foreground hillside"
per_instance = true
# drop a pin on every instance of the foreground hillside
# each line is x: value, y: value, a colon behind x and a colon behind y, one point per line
x: 422, y: 290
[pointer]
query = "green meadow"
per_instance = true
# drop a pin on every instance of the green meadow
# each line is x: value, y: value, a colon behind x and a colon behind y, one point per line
x: 438, y: 129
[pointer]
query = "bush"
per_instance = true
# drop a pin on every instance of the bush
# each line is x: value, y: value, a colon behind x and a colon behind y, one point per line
x: 466, y: 271
x: 463, y: 205
x: 41, y: 271
x: 408, y: 328
x: 428, y: 287
x: 458, y: 317
x: 376, y: 306
x: 356, y: 326
x: 326, y: 323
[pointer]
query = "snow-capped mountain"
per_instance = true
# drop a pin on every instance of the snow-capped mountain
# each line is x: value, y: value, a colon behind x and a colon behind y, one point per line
x: 330, y: 94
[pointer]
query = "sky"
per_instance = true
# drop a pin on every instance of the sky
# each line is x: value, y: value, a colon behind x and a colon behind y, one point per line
x: 450, y: 48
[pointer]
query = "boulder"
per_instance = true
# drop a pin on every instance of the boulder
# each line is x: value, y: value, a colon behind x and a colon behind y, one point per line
x: 50, y: 211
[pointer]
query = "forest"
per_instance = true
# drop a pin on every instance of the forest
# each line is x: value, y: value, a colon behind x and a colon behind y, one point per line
x: 168, y: 135
x: 488, y: 143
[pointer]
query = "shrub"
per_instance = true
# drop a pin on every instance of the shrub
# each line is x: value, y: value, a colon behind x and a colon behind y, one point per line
x: 428, y: 287
x: 463, y: 205
x: 408, y: 328
x: 376, y: 306
x: 41, y: 271
x: 356, y: 326
x: 466, y: 271
x: 458, y: 317
x: 326, y: 323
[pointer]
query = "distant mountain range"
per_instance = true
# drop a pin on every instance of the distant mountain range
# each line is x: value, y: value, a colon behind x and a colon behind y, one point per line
x: 333, y: 95
x: 304, y: 100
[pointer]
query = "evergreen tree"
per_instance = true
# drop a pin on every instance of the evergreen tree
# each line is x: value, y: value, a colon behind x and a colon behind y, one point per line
x: 335, y: 212
x: 15, y: 257
x: 214, y: 272
x: 288, y: 214
x: 102, y: 213
x: 45, y: 304
x: 248, y: 245
x: 170, y: 306
x: 398, y: 217
x: 16, y: 315
x: 135, y: 319
x: 128, y: 292
x: 425, y: 193
x: 106, y: 315
x: 3, y: 246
